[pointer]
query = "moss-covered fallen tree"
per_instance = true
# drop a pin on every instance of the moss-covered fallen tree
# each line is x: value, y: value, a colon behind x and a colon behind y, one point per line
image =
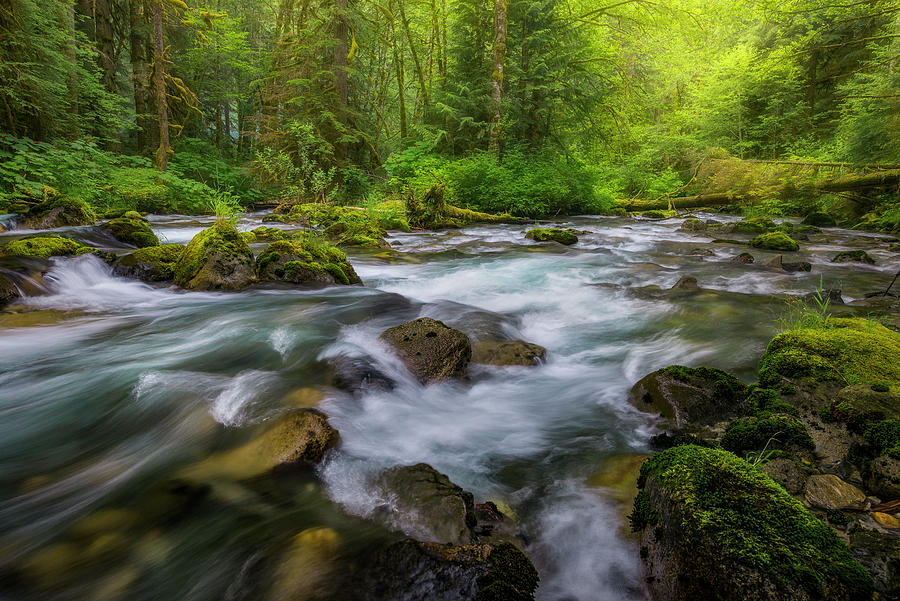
x: 431, y: 211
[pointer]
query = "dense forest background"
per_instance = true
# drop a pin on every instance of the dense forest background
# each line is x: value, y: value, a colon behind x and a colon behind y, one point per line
x: 534, y: 107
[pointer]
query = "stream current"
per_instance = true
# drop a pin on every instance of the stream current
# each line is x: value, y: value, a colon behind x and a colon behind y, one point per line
x: 111, y: 387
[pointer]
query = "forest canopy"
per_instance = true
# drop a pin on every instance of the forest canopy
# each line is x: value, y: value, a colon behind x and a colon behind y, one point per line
x: 533, y: 107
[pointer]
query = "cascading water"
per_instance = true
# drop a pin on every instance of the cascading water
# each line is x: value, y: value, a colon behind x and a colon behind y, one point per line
x: 124, y: 386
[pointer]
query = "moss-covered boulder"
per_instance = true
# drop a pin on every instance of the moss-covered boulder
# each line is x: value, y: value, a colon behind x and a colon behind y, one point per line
x: 752, y: 226
x: 345, y: 226
x: 425, y: 504
x: 819, y: 219
x: 853, y: 256
x: 304, y: 261
x: 689, y: 395
x: 507, y: 352
x: 133, y: 215
x: 767, y: 432
x: 850, y: 350
x: 269, y: 234
x: 431, y: 350
x: 552, y: 234
x: 714, y: 527
x: 59, y: 211
x: 150, y: 264
x: 44, y: 247
x: 216, y: 259
x: 775, y: 241
x: 135, y: 232
x: 415, y: 571
x: 298, y: 438
x: 693, y: 225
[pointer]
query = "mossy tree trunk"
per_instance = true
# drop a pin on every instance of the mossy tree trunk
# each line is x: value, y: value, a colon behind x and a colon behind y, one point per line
x: 500, y: 7
x: 159, y: 85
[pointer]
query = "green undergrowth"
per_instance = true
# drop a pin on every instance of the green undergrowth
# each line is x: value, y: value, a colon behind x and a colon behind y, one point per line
x: 726, y: 504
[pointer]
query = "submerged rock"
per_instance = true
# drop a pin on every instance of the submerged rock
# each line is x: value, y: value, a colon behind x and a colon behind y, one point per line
x: 566, y: 236
x: 216, y: 259
x: 775, y: 241
x: 307, y: 567
x: 8, y: 290
x: 777, y: 262
x: 693, y: 225
x: 135, y: 232
x: 713, y: 527
x: 507, y: 352
x: 687, y: 283
x: 44, y: 247
x: 303, y: 261
x: 411, y: 571
x: 853, y: 256
x: 429, y: 349
x: 299, y: 437
x: 745, y: 258
x: 426, y: 505
x: 59, y: 211
x: 357, y: 374
x: 689, y: 395
x: 151, y: 264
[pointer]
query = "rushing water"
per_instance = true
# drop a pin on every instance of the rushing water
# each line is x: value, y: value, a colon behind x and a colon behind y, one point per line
x: 115, y: 387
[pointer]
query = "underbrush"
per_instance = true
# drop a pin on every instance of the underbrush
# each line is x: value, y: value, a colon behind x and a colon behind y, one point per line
x: 112, y: 183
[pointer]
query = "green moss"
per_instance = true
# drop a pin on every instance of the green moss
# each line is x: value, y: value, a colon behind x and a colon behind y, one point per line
x: 775, y: 241
x: 346, y: 226
x: 552, y: 235
x: 738, y: 513
x: 725, y: 385
x: 71, y: 211
x: 767, y: 400
x: 884, y: 437
x: 132, y: 231
x: 221, y: 239
x: 851, y: 351
x: 642, y: 513
x: 656, y: 214
x: 754, y: 226
x: 263, y: 233
x: 294, y: 260
x: 248, y: 237
x: 44, y: 247
x: 853, y: 256
x: 158, y: 260
x: 131, y: 215
x: 511, y: 577
x: 881, y: 386
x: 773, y: 431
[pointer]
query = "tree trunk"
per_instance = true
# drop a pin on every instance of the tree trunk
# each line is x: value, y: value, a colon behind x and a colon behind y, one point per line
x: 67, y: 18
x: 423, y: 90
x: 401, y: 87
x: 139, y: 72
x: 341, y: 83
x: 227, y: 107
x: 159, y: 84
x: 500, y: 7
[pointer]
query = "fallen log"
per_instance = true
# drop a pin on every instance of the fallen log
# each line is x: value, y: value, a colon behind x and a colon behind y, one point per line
x: 684, y: 202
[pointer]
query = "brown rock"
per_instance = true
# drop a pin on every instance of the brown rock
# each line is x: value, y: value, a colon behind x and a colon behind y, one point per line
x: 431, y: 350
x: 886, y: 520
x: 507, y: 352
x: 827, y: 491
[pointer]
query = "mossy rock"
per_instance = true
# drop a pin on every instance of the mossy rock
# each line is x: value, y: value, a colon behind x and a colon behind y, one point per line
x: 269, y: 234
x: 775, y: 241
x: 430, y: 350
x: 507, y: 353
x: 150, y: 264
x: 656, y: 214
x: 303, y: 261
x: 689, y: 395
x: 345, y: 226
x: 216, y: 259
x: 879, y: 552
x: 862, y: 405
x: 753, y: 226
x: 852, y: 350
x: 853, y: 256
x: 716, y: 528
x: 132, y: 215
x: 566, y: 236
x: 426, y: 505
x: 135, y: 232
x: 777, y: 431
x: 59, y: 211
x: 819, y: 219
x: 44, y: 247
x: 693, y: 225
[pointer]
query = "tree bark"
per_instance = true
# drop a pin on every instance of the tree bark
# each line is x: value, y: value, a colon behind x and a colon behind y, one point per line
x: 500, y: 7
x: 159, y: 84
x: 423, y: 89
x: 139, y: 71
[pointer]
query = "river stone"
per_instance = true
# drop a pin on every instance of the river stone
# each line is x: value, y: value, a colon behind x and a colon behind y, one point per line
x: 886, y: 520
x: 777, y: 262
x: 787, y: 473
x: 307, y: 567
x: 701, y: 252
x: 879, y: 553
x: 216, y: 259
x: 551, y: 234
x: 693, y: 225
x: 882, y: 477
x: 8, y: 290
x: 426, y: 505
x: 745, y: 258
x: 687, y: 283
x: 827, y: 491
x: 357, y: 374
x: 832, y: 294
x: 853, y: 256
x: 299, y: 437
x: 151, y: 264
x: 412, y: 571
x: 507, y: 352
x: 58, y: 211
x: 135, y: 232
x: 429, y: 349
x: 685, y: 395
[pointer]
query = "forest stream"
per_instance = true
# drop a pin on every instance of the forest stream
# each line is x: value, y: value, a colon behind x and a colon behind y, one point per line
x: 112, y: 389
